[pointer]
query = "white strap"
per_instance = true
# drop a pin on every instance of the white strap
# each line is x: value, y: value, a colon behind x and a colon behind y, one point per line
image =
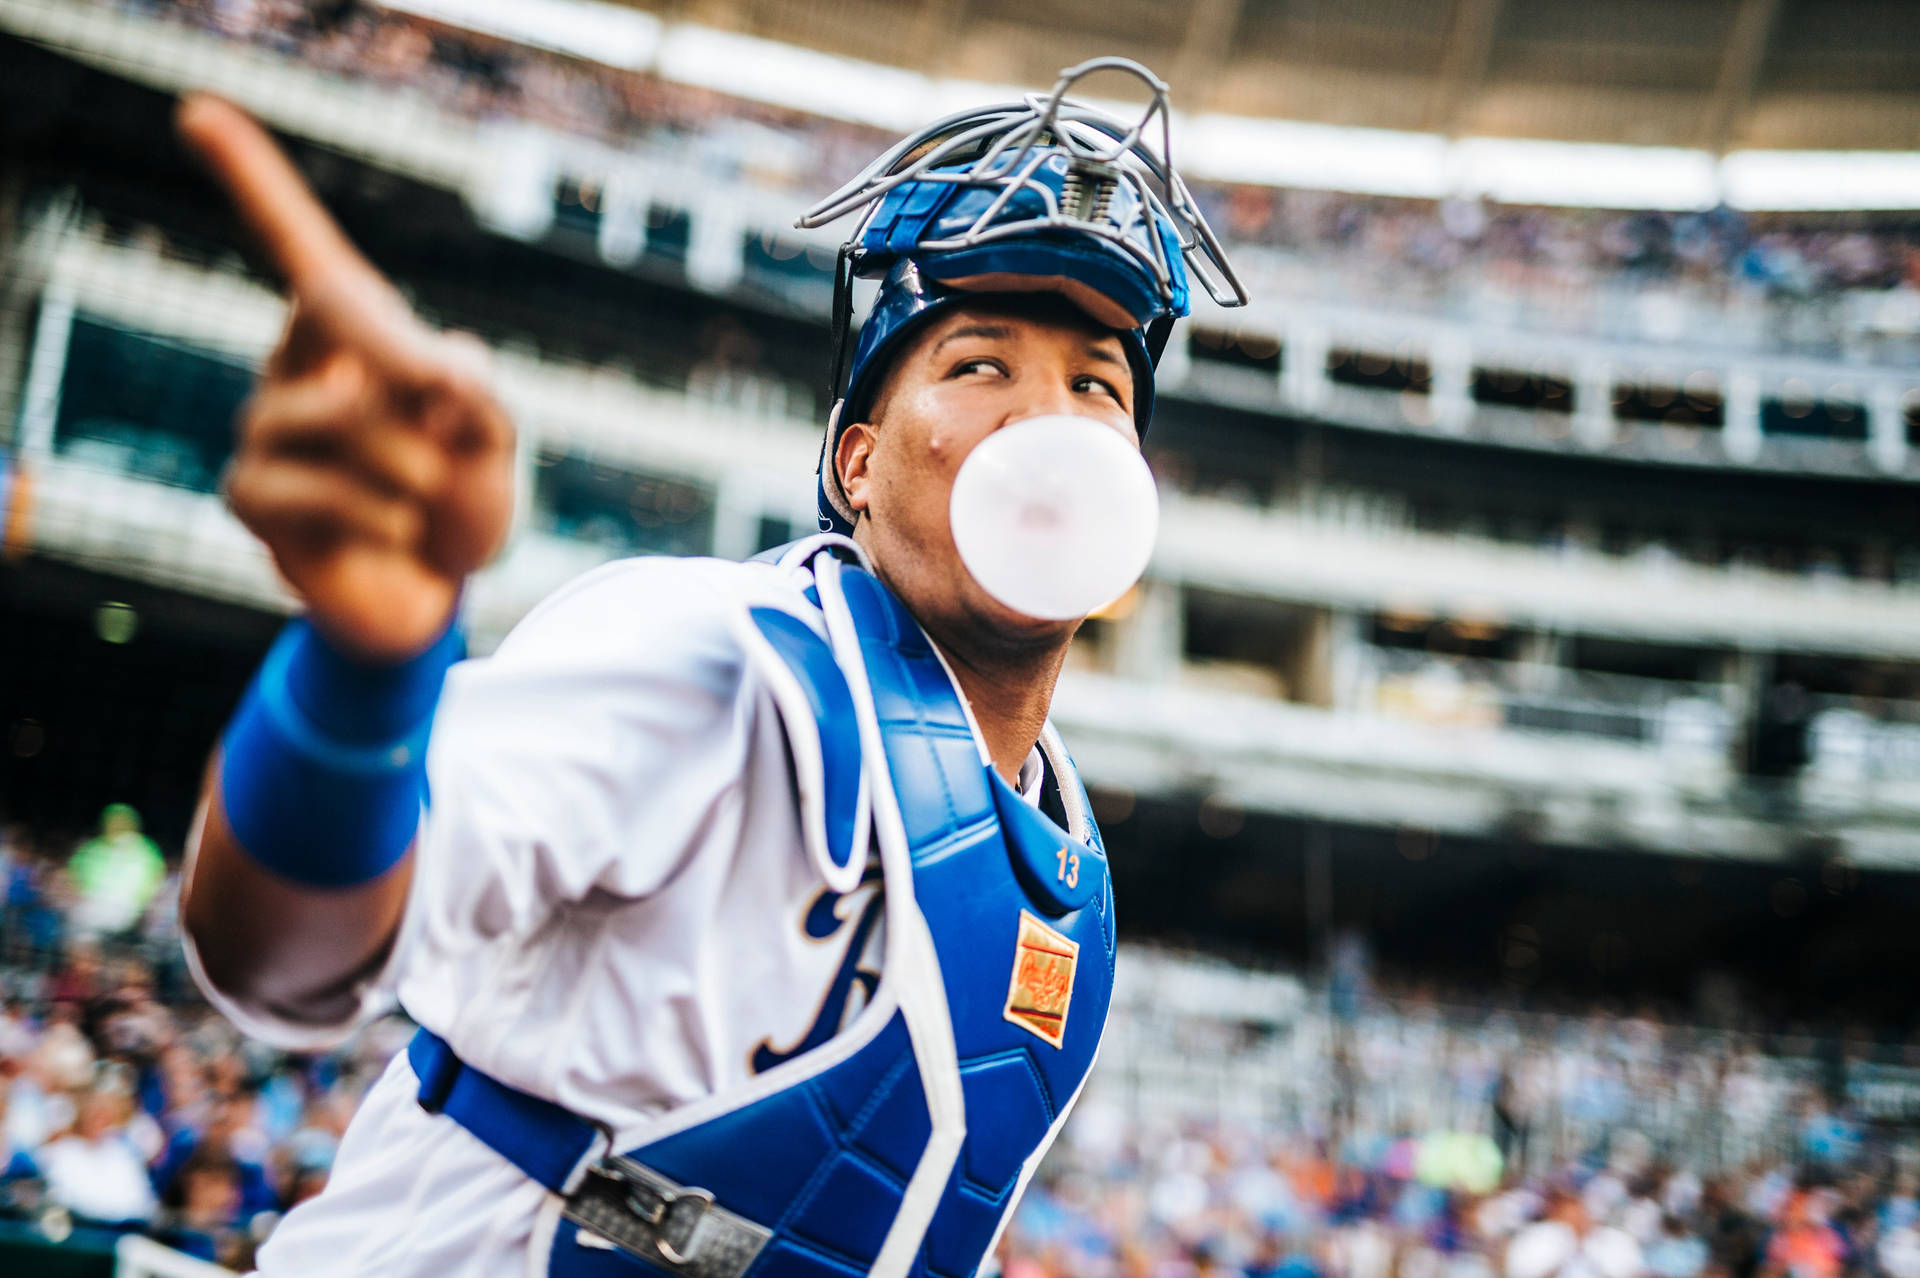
x: 912, y: 962
x: 809, y: 762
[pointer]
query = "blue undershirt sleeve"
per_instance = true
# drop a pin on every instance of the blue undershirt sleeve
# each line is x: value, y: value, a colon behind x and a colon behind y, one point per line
x: 323, y: 766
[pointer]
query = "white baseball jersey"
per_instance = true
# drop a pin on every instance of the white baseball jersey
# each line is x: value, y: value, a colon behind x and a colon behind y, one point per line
x: 609, y: 910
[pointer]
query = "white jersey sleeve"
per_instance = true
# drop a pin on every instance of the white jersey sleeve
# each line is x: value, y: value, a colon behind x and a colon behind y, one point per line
x: 611, y: 709
x: 582, y: 759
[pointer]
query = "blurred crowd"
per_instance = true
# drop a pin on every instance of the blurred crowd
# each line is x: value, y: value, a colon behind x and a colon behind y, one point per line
x: 1370, y: 1136
x: 125, y: 1102
x: 485, y: 78
x: 1715, y: 276
x: 1392, y: 1131
x: 1212, y: 1201
x: 1435, y: 238
x: 1764, y: 278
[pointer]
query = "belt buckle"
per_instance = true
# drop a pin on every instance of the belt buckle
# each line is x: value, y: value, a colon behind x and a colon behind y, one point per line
x: 657, y: 1217
x: 631, y: 1206
x: 653, y: 1205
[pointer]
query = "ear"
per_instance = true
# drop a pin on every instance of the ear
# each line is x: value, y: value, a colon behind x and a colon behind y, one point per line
x: 852, y: 458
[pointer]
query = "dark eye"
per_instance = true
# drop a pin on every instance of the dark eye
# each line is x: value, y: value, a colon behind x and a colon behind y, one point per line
x: 1088, y: 382
x: 979, y: 364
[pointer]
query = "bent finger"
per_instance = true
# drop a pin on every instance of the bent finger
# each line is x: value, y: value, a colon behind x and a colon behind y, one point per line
x: 398, y: 458
x: 337, y: 417
x: 314, y: 504
x: 463, y: 414
x: 308, y: 415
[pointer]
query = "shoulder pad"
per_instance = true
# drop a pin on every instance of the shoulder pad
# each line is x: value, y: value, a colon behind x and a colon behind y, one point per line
x: 816, y: 708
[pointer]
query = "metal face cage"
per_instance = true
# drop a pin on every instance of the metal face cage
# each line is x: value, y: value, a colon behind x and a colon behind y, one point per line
x: 1005, y: 146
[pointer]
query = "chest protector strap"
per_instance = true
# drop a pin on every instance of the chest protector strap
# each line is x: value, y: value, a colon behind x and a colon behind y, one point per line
x: 898, y: 1146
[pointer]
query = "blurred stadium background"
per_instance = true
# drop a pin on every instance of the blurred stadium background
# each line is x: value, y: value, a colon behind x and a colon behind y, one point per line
x: 1511, y: 762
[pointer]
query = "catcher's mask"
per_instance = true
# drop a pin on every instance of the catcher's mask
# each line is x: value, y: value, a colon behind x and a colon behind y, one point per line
x: 1047, y: 195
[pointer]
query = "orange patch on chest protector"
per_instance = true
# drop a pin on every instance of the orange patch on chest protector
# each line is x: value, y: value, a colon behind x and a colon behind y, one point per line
x: 1042, y: 986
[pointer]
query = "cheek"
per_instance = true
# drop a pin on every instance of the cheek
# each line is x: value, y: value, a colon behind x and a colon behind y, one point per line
x: 940, y: 429
x: 957, y: 418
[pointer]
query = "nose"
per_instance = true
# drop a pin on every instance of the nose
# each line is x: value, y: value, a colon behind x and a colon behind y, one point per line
x: 1044, y: 397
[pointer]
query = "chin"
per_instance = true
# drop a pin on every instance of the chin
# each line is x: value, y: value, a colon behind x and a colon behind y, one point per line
x: 1011, y: 624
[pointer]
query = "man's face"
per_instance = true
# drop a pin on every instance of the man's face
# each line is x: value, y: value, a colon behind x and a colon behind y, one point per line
x: 99, y: 1114
x: 975, y: 369
x: 231, y: 1114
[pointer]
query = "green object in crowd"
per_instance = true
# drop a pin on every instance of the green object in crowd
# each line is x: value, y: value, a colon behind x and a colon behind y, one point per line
x: 1468, y: 1161
x: 116, y: 873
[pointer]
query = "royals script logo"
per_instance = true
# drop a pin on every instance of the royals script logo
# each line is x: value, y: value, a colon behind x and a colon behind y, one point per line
x: 1042, y: 980
x: 848, y: 920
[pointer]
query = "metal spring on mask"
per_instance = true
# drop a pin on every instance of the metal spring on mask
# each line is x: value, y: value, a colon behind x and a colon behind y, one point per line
x: 1086, y: 197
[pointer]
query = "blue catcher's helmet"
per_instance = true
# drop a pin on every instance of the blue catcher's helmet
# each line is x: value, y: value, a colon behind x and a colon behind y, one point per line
x: 1042, y: 196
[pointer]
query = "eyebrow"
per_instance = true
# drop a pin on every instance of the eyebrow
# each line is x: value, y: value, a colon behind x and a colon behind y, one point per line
x: 998, y: 332
x: 1001, y: 332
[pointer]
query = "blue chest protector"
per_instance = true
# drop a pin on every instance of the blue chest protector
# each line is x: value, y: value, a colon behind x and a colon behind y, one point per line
x: 898, y: 1146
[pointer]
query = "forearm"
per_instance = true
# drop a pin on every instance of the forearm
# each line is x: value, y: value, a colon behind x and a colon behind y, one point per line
x: 290, y: 949
x: 302, y: 859
x: 376, y: 465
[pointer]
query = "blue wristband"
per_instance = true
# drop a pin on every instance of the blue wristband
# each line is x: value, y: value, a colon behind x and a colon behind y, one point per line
x: 323, y: 767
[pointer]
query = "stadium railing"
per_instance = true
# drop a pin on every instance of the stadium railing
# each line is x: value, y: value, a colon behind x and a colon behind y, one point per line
x: 90, y: 491
x: 608, y: 418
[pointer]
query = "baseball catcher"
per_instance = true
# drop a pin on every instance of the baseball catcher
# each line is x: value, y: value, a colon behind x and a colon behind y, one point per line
x: 753, y: 915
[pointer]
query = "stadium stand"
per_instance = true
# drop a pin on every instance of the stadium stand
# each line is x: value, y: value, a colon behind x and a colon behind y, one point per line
x: 1530, y: 666
x: 1239, y: 1115
x: 1828, y: 285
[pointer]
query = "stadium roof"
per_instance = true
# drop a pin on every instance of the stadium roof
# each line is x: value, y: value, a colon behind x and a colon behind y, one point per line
x: 1678, y: 104
x: 1713, y: 74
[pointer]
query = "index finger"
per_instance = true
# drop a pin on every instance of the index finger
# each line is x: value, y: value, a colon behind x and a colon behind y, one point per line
x: 270, y: 195
x: 332, y: 281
